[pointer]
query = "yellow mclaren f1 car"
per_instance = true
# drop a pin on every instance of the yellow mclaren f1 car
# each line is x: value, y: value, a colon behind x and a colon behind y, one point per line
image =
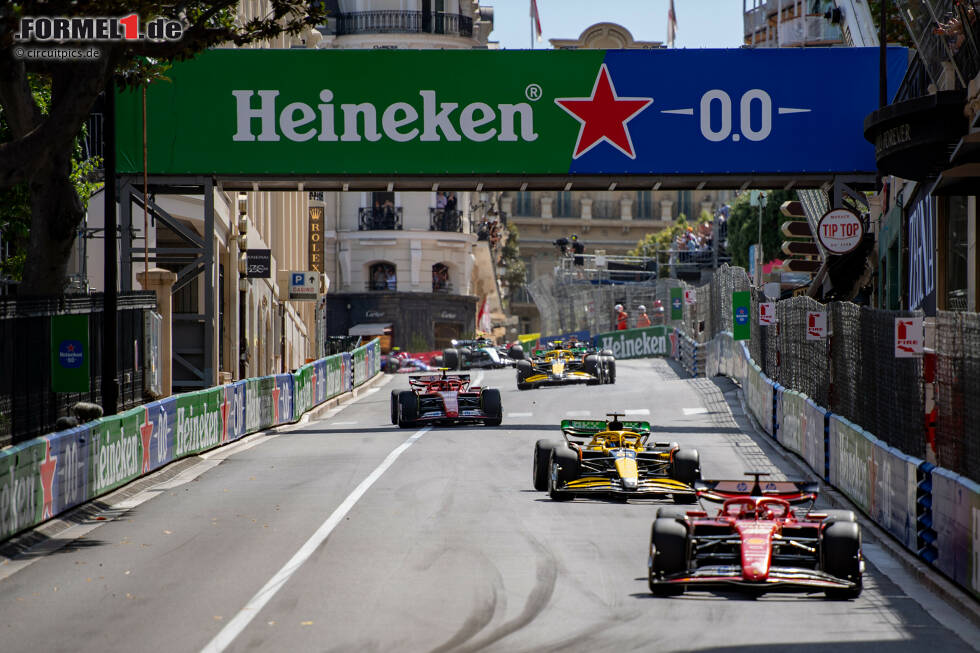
x: 614, y: 459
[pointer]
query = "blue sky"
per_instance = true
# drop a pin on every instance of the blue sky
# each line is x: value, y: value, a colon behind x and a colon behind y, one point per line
x: 700, y: 23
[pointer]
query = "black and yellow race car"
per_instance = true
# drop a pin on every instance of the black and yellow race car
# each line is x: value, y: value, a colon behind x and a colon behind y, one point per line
x: 562, y: 365
x: 614, y: 459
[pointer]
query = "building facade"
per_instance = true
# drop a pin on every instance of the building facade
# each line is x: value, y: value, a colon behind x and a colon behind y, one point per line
x: 408, y: 263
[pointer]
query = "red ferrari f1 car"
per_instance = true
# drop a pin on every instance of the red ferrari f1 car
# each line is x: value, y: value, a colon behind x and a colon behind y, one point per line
x: 445, y: 399
x: 758, y: 539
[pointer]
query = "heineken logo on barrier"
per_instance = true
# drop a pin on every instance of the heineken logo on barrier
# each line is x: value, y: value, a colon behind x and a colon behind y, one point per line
x: 264, y: 119
x: 636, y: 343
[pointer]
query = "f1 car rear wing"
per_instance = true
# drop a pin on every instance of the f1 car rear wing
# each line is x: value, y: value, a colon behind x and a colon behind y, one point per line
x: 420, y: 380
x: 586, y: 428
x: 790, y: 491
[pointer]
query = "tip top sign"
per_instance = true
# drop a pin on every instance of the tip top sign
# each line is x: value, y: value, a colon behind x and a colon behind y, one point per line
x: 840, y: 231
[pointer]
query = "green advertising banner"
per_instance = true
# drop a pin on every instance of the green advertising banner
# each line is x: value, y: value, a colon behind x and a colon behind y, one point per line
x: 636, y: 343
x: 677, y: 303
x: 70, y: 353
x: 116, y: 451
x: 200, y: 422
x: 741, y: 310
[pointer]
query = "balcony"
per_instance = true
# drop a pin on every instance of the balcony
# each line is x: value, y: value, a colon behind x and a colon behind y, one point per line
x: 388, y: 218
x: 443, y: 220
x: 404, y: 22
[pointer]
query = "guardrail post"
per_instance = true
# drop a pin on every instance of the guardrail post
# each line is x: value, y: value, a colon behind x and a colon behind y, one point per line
x: 826, y: 446
x: 925, y: 536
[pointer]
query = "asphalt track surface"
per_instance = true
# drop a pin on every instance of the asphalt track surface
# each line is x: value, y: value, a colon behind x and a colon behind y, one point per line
x: 448, y: 549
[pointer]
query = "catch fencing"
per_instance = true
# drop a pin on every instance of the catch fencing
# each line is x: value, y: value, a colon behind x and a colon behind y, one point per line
x: 958, y: 394
x: 28, y: 406
x: 46, y: 476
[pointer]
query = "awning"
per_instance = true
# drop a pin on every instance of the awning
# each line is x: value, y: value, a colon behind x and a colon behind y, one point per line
x: 369, y: 329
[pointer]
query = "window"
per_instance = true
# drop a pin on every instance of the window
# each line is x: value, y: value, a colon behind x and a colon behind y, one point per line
x: 381, y: 276
x: 956, y: 254
x: 440, y: 278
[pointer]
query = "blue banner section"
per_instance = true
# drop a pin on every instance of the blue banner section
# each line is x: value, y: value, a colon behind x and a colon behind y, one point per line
x: 731, y: 111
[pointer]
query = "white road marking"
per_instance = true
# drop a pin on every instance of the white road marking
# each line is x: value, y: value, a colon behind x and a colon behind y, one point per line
x: 371, y: 391
x: 579, y: 413
x: 347, y: 423
x: 695, y: 411
x: 241, y: 620
x: 637, y: 411
x: 520, y: 414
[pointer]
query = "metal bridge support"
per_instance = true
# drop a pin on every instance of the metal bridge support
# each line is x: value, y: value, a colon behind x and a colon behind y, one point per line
x: 194, y: 350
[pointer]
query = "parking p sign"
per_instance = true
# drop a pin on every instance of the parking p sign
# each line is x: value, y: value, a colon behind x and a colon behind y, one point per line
x: 303, y: 286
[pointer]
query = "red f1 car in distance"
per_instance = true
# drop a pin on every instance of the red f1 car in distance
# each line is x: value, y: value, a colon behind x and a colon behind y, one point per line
x: 444, y: 399
x: 758, y: 539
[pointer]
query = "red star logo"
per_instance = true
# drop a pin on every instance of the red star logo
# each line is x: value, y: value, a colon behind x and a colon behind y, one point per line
x: 275, y: 402
x: 604, y: 116
x: 313, y: 392
x: 47, y: 481
x: 224, y: 418
x: 146, y: 432
x: 71, y: 347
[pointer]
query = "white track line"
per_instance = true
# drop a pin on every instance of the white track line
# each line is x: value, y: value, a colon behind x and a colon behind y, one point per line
x: 241, y: 620
x: 695, y: 411
x: 578, y: 413
x: 520, y: 414
x: 637, y: 411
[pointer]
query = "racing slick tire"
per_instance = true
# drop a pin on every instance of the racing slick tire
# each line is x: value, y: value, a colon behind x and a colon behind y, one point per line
x: 610, y: 365
x: 394, y: 406
x: 516, y: 352
x: 450, y: 358
x: 841, y: 553
x: 686, y: 468
x: 668, y: 554
x: 540, y: 469
x: 838, y: 515
x: 524, y: 370
x: 592, y: 365
x: 408, y: 409
x: 671, y: 512
x: 465, y: 353
x: 563, y: 467
x: 492, y: 407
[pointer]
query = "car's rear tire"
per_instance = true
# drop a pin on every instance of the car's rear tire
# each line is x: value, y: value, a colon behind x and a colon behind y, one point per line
x: 450, y: 358
x: 610, y: 366
x: 686, y: 466
x: 841, y: 554
x: 394, y: 406
x: 492, y: 406
x: 592, y: 365
x: 838, y: 515
x: 465, y: 354
x: 668, y: 554
x: 408, y: 409
x: 540, y: 467
x: 563, y: 467
x: 524, y: 370
x: 671, y: 512
x: 516, y: 352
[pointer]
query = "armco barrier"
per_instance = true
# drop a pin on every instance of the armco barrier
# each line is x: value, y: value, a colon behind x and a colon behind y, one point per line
x: 932, y: 511
x: 956, y: 520
x: 46, y: 476
x: 850, y: 461
x: 815, y: 443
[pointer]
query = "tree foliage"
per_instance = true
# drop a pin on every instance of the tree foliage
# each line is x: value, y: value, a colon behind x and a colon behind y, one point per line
x: 743, y: 227
x: 36, y: 146
x: 513, y: 272
x: 663, y: 240
x: 895, y: 30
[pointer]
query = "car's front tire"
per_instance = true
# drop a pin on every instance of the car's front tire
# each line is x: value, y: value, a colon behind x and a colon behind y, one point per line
x: 668, y: 554
x: 563, y: 467
x: 540, y: 465
x: 408, y: 409
x: 492, y: 406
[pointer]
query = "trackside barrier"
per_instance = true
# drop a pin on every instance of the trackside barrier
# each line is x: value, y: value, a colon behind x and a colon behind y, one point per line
x: 956, y: 521
x: 691, y: 355
x: 934, y: 512
x: 46, y: 476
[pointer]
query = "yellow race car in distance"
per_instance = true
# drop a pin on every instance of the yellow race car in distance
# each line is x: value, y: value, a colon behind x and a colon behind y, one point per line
x: 561, y: 366
x: 614, y: 459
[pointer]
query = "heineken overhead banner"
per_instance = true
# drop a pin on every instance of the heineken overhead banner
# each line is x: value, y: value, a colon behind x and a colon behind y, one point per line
x: 306, y: 113
x: 635, y: 343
